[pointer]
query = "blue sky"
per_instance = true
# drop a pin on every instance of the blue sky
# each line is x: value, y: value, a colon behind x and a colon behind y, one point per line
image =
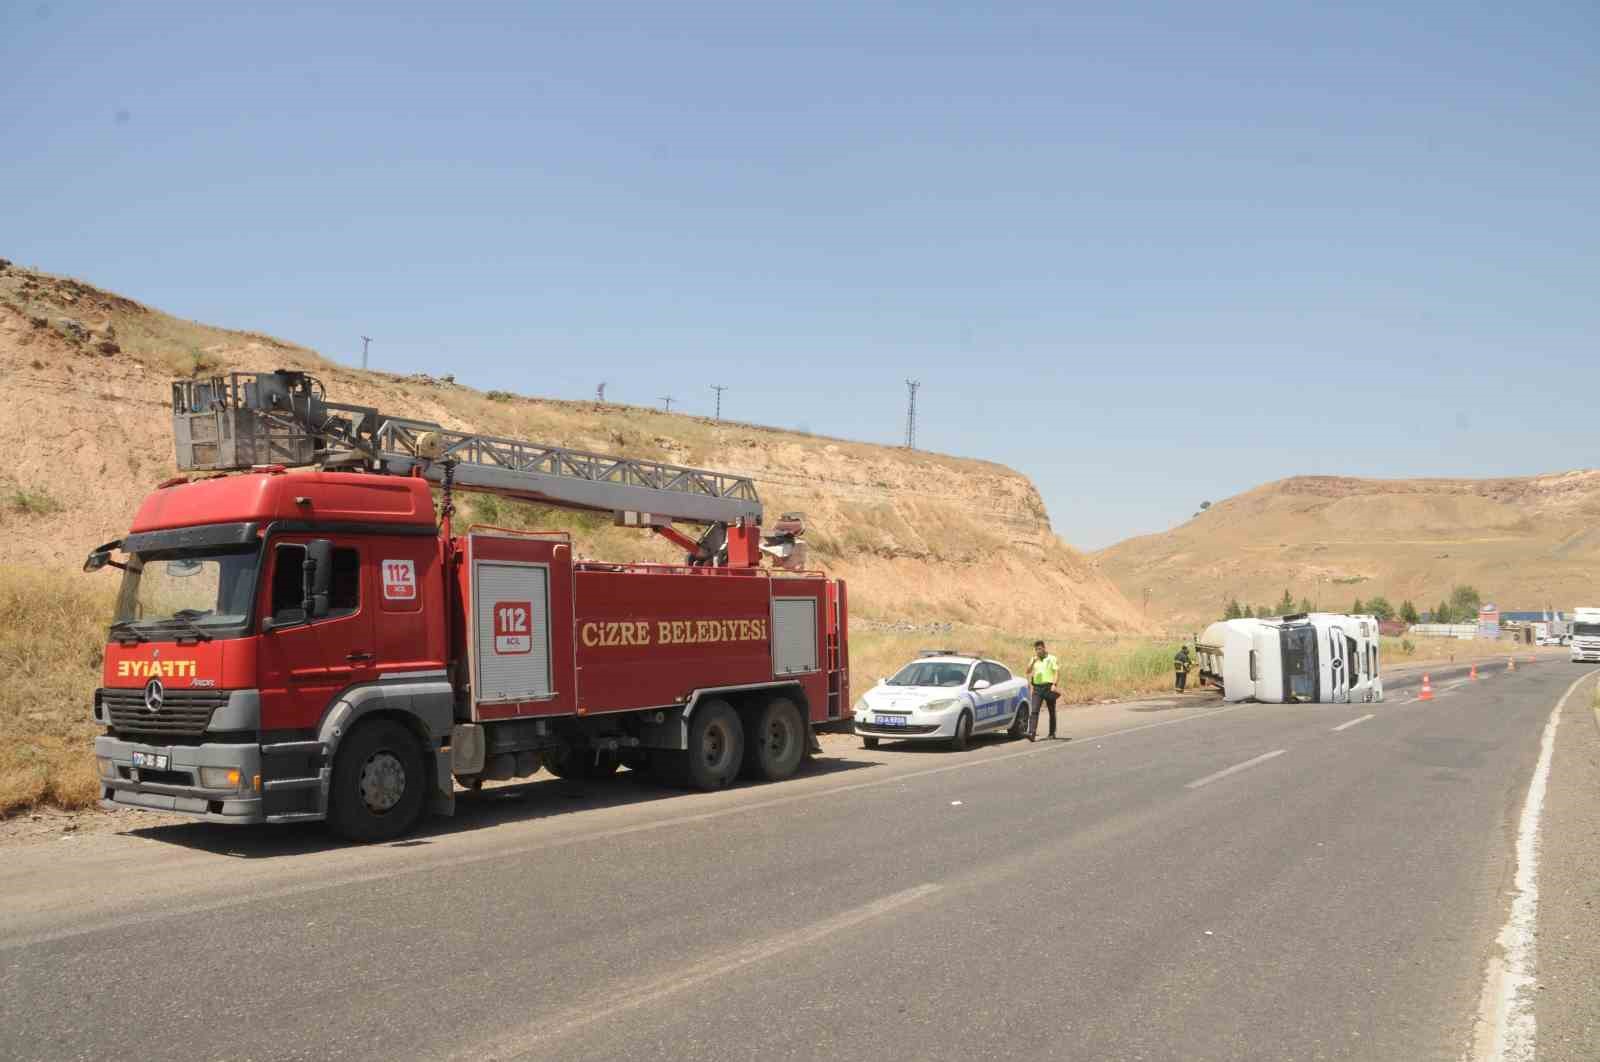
x: 1149, y: 255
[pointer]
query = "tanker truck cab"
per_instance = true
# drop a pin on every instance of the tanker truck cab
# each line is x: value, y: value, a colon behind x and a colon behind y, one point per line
x: 247, y: 648
x: 1585, y: 635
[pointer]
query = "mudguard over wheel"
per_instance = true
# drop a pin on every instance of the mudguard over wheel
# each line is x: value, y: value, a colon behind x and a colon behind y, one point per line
x: 380, y: 783
x: 776, y: 741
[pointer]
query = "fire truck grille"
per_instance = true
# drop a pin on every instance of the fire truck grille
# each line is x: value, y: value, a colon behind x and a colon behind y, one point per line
x: 183, y: 713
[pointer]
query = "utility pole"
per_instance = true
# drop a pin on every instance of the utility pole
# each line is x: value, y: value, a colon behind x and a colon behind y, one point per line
x: 719, y: 388
x: 911, y: 413
x: 364, y: 341
x: 668, y: 400
x: 600, y: 393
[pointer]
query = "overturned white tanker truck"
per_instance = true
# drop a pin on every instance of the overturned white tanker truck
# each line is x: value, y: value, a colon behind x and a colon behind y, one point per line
x: 1309, y: 658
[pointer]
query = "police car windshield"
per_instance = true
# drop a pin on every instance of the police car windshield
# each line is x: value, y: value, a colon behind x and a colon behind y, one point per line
x: 183, y: 589
x: 932, y: 673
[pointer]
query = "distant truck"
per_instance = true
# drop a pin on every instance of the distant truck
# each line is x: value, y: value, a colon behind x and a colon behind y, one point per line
x: 1307, y: 658
x: 1585, y: 635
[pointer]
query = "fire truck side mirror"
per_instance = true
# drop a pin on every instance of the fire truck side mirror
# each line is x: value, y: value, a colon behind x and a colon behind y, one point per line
x: 317, y: 577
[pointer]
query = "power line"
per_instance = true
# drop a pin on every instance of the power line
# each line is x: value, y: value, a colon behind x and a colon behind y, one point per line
x: 911, y: 413
x: 668, y: 399
x: 719, y: 388
x: 364, y: 341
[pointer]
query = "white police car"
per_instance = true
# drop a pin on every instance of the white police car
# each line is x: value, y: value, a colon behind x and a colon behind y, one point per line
x: 943, y: 697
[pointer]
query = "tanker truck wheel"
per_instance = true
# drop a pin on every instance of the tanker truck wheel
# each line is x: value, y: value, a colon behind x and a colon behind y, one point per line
x: 379, y: 787
x: 716, y: 746
x: 776, y: 741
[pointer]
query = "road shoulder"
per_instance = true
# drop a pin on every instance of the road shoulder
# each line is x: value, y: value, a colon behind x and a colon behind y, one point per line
x: 1568, y: 999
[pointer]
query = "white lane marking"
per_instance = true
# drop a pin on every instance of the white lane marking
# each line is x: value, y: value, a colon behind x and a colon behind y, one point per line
x: 1506, y: 1029
x: 1351, y: 723
x: 1208, y: 779
x: 528, y: 1040
x: 513, y: 849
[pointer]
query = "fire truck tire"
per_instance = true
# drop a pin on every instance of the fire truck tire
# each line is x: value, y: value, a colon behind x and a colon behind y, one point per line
x: 776, y: 742
x: 963, y: 733
x: 379, y: 786
x: 716, y: 746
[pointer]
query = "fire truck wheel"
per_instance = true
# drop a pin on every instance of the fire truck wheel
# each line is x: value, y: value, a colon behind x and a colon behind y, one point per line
x: 378, y: 789
x: 963, y: 732
x: 776, y: 742
x: 716, y: 745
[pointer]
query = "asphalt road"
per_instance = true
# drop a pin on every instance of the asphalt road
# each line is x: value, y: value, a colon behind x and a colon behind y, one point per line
x: 1179, y: 881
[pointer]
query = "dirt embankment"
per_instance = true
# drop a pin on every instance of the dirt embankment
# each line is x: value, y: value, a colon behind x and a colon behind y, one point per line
x: 1524, y: 543
x: 920, y: 536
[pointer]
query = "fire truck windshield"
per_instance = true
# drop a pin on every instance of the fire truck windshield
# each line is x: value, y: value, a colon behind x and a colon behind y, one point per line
x: 203, y: 591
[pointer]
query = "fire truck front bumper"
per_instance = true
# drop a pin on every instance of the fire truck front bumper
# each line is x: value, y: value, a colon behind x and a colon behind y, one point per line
x: 220, y: 783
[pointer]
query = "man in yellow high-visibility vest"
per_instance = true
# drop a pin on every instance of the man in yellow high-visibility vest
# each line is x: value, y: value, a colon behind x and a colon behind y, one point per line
x: 1044, y: 674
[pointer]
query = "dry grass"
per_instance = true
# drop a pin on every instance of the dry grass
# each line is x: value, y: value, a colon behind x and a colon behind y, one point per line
x: 52, y: 635
x: 1093, y: 669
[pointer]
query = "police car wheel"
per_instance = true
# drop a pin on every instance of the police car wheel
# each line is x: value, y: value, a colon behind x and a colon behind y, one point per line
x: 1019, y: 722
x: 869, y: 742
x: 963, y: 734
x: 378, y: 784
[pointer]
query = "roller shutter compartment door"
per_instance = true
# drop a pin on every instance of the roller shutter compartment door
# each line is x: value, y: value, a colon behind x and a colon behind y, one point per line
x: 512, y: 640
x: 794, y: 635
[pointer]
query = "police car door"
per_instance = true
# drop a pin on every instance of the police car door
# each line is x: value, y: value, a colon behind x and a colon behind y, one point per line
x: 1012, y: 691
x: 983, y: 700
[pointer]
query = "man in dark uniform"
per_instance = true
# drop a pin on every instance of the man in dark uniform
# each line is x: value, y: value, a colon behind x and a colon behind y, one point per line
x: 1180, y: 668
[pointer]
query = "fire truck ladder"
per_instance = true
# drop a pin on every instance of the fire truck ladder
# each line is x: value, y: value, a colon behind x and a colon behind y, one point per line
x: 244, y: 420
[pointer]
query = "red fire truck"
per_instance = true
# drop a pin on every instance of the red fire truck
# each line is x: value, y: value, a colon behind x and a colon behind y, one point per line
x: 301, y: 634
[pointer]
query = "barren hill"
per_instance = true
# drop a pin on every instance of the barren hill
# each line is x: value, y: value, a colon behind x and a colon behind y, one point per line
x: 921, y: 537
x: 1523, y: 542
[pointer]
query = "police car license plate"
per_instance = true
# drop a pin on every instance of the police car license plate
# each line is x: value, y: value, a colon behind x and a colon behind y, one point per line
x: 889, y: 720
x: 155, y: 761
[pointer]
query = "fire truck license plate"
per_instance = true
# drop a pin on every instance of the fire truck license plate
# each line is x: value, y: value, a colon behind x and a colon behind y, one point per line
x: 153, y: 760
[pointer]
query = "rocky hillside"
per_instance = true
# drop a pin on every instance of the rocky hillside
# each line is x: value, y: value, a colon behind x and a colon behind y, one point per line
x: 921, y: 537
x: 1522, y: 542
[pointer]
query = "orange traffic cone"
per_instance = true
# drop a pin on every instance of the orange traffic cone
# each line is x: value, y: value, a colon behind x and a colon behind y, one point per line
x: 1474, y: 675
x: 1513, y: 665
x: 1427, y: 690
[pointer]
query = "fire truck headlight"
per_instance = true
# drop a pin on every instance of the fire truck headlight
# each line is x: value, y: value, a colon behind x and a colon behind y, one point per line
x: 107, y: 768
x: 223, y: 778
